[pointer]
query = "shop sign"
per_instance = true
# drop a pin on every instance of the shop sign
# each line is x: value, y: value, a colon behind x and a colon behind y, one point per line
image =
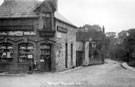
x: 46, y: 34
x: 3, y: 33
x: 62, y: 29
x: 41, y: 60
x: 17, y: 33
x: 29, y: 33
x: 30, y: 56
x: 59, y: 35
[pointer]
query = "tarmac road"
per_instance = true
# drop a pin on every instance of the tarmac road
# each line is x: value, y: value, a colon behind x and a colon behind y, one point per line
x: 110, y: 74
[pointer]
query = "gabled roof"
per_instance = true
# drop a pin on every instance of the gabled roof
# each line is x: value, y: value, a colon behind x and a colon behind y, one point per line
x: 58, y: 16
x: 26, y: 8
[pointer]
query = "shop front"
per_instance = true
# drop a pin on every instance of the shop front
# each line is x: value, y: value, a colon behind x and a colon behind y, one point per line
x: 24, y: 53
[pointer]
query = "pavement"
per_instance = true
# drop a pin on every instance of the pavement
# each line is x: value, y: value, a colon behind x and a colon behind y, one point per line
x: 126, y: 66
x: 23, y: 74
x: 7, y: 74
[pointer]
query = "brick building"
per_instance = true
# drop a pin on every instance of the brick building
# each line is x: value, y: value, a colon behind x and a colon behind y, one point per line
x: 33, y: 32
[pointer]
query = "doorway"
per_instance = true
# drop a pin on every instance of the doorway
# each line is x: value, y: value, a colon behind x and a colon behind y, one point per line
x: 79, y: 58
x: 45, y: 57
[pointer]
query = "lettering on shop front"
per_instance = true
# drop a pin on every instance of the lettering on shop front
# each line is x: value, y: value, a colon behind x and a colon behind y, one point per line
x: 17, y: 33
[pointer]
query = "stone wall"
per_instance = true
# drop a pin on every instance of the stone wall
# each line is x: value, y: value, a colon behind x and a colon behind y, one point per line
x: 61, y: 39
x: 79, y: 46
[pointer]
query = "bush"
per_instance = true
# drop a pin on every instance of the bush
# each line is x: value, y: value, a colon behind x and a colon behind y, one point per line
x: 118, y: 53
x: 131, y: 63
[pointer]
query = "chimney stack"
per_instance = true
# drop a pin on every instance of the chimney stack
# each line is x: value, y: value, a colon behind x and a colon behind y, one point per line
x: 54, y: 3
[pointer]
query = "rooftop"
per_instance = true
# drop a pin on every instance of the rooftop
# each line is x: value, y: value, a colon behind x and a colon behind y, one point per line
x: 18, y: 8
x: 26, y: 8
x: 62, y: 18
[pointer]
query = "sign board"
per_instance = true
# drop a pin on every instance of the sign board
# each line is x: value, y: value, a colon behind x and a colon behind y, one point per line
x: 41, y: 60
x: 61, y: 29
x: 30, y: 56
x: 46, y: 33
x: 17, y: 33
x: 29, y: 33
x: 59, y: 35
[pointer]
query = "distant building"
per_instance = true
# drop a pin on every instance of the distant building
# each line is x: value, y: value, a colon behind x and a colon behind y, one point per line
x: 34, y: 33
x: 90, y: 46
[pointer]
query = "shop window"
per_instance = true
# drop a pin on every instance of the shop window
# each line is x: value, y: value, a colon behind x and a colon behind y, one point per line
x: 45, y: 51
x: 6, y: 52
x: 26, y: 52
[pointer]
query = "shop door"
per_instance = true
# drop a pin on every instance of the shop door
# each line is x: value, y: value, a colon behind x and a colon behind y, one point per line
x: 45, y: 57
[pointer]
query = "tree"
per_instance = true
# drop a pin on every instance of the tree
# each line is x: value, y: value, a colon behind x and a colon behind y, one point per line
x: 111, y: 35
x: 97, y: 27
x: 129, y: 44
x: 122, y: 35
x: 110, y: 43
x: 90, y: 28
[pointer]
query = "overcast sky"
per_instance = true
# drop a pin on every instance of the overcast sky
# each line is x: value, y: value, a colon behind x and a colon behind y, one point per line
x: 115, y: 15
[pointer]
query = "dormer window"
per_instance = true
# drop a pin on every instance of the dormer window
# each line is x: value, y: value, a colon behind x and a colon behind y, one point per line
x: 47, y: 24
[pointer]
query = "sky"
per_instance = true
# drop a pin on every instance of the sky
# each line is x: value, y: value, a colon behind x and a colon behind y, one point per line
x: 115, y: 15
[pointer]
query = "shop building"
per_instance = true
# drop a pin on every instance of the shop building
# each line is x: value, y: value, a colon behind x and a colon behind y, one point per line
x: 34, y: 33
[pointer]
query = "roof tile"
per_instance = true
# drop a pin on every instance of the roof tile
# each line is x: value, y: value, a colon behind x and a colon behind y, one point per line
x: 18, y: 8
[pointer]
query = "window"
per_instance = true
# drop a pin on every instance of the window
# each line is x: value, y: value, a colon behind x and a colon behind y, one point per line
x: 26, y: 52
x: 45, y: 51
x: 47, y: 23
x: 6, y: 52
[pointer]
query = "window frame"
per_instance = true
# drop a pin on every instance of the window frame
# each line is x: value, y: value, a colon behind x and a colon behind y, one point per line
x: 26, y: 50
x: 7, y: 52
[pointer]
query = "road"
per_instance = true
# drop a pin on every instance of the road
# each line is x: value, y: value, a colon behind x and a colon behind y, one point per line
x: 110, y: 74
